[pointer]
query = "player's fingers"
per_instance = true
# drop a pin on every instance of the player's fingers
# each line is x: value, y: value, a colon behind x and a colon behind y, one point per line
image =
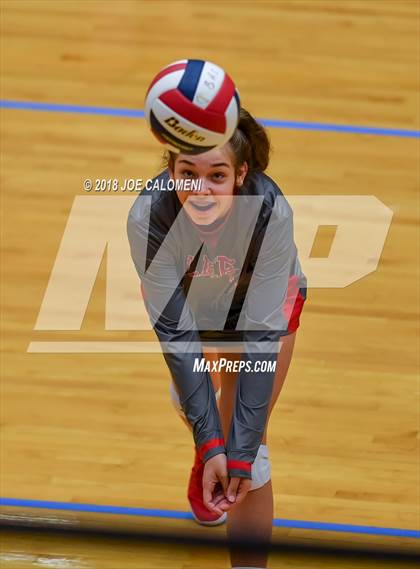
x: 208, y: 495
x: 232, y: 489
x: 224, y: 481
x: 209, y: 498
x: 219, y: 498
x: 222, y: 503
x: 243, y: 489
x: 218, y: 494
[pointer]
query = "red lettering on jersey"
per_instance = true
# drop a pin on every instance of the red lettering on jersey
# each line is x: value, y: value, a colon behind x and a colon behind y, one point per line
x: 208, y: 268
x: 190, y: 259
x: 226, y: 267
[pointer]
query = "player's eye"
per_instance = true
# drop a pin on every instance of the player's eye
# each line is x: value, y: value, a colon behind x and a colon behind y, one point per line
x: 187, y: 173
x: 219, y: 176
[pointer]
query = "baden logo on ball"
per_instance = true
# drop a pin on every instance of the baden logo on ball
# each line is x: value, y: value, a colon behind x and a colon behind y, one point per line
x: 192, y: 106
x: 174, y: 123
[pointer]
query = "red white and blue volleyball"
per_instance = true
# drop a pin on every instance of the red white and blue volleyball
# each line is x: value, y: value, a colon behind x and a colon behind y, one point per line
x: 192, y: 106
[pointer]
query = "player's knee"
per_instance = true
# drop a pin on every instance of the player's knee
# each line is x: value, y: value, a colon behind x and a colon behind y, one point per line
x: 261, y: 468
x: 176, y: 402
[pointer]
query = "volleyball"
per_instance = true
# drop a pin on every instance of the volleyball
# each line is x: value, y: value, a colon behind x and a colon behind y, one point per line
x: 192, y: 106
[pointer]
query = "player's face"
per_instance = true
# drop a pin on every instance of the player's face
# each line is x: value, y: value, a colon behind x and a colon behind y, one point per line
x: 216, y: 172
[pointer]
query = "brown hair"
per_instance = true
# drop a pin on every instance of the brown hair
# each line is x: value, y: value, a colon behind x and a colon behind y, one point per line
x: 249, y: 143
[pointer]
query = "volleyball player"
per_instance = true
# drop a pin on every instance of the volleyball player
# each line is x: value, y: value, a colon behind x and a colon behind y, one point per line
x: 219, y: 264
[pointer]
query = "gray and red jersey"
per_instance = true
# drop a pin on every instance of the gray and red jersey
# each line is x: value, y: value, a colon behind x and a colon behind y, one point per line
x: 239, y: 280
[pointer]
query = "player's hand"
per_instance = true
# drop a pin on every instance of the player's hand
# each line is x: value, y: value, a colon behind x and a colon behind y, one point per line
x: 238, y: 489
x: 215, y: 484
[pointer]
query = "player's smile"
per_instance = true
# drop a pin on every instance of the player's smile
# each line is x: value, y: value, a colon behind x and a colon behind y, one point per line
x: 202, y: 206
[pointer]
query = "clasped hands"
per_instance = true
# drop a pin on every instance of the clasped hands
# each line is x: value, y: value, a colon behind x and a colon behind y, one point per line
x: 219, y: 492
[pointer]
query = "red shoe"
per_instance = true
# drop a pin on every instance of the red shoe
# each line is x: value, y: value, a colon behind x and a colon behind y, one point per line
x: 199, y: 511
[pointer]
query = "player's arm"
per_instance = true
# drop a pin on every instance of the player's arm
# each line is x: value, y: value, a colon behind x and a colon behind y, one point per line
x: 176, y: 329
x: 265, y: 321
